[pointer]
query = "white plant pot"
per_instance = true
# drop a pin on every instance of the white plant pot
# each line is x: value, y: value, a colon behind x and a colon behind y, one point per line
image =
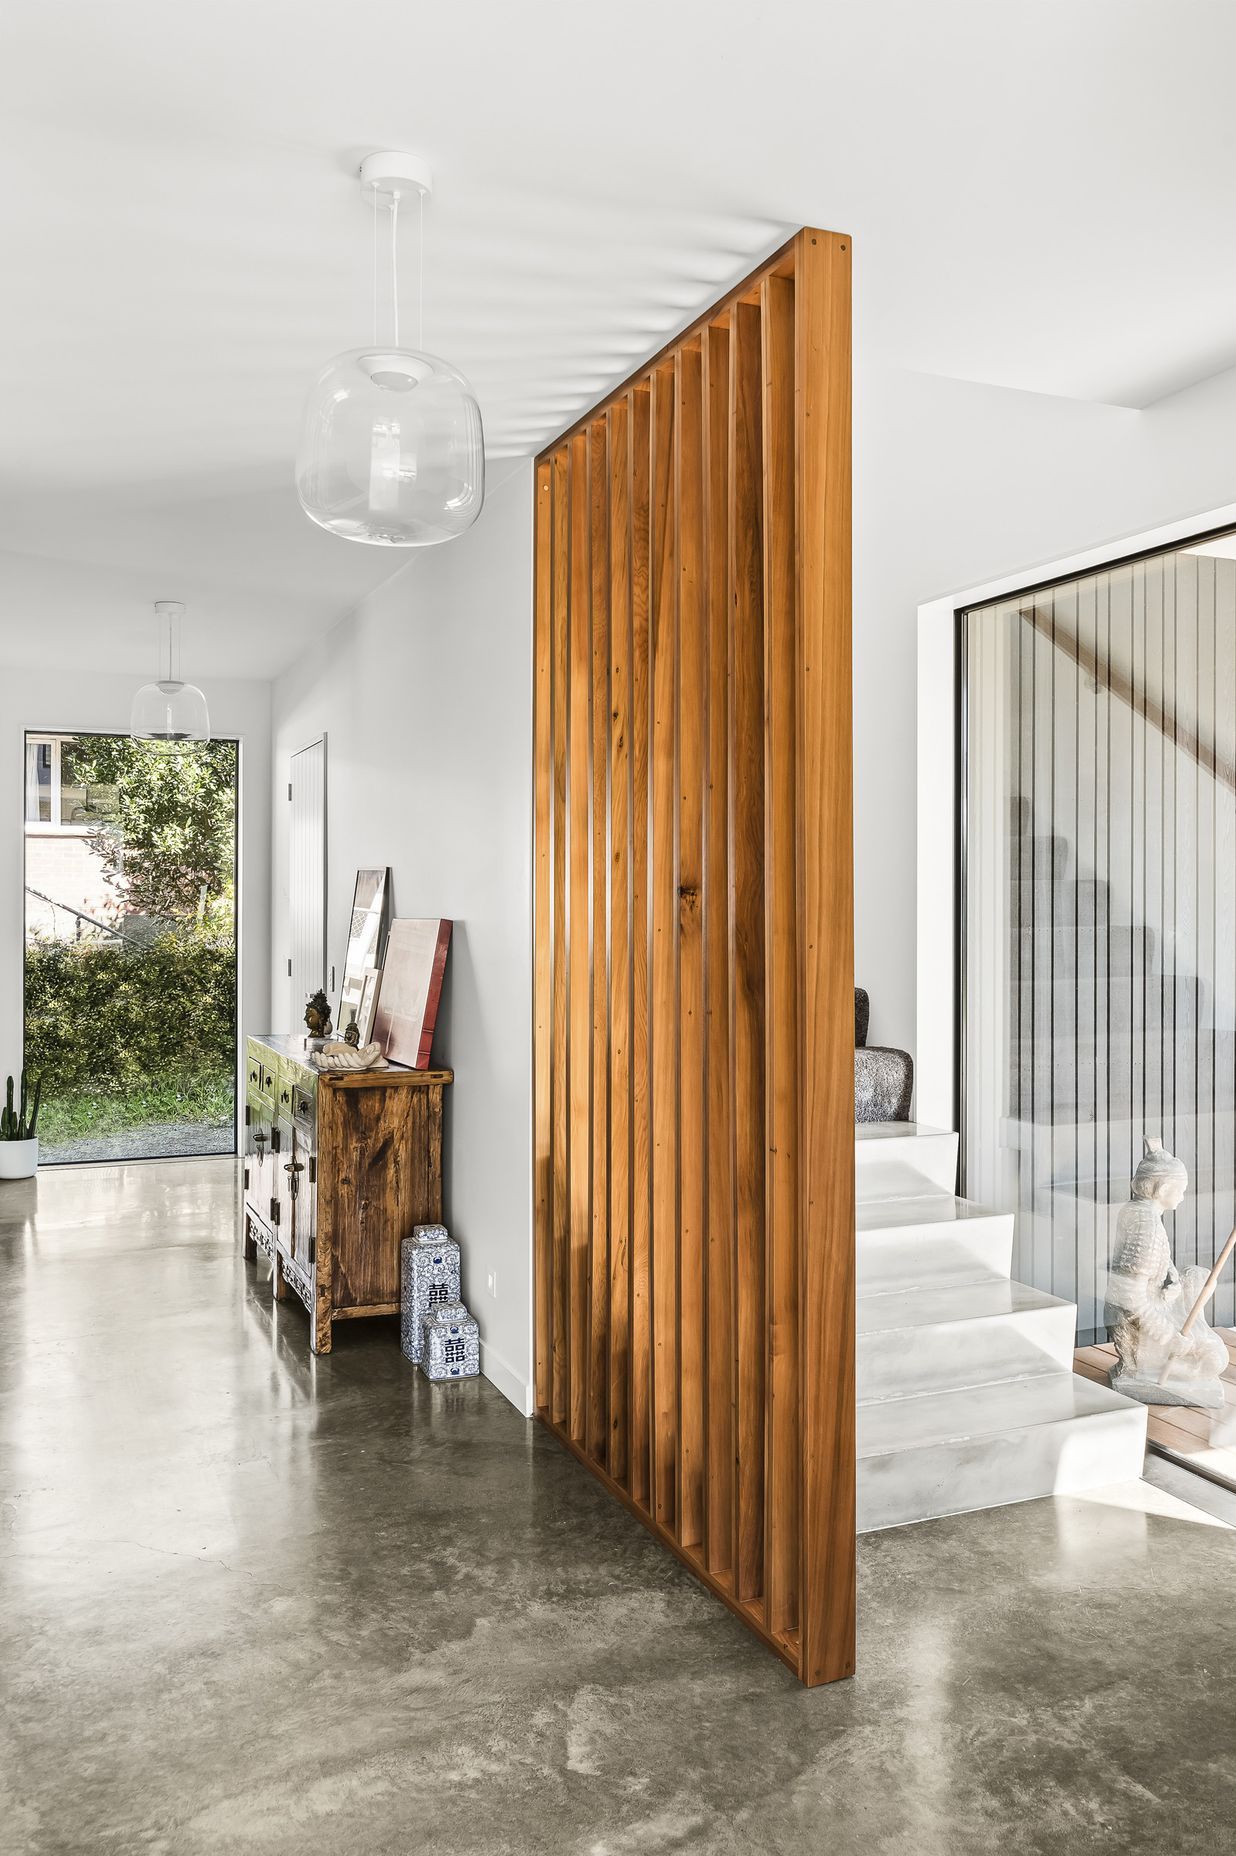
x: 19, y: 1159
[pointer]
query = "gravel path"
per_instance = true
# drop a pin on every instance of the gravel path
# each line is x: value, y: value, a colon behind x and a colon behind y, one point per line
x: 154, y: 1140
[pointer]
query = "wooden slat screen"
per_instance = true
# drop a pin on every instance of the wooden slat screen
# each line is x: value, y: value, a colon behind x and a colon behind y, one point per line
x: 693, y: 1061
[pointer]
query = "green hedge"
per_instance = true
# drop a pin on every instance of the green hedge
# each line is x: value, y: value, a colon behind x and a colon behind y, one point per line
x: 107, y: 1017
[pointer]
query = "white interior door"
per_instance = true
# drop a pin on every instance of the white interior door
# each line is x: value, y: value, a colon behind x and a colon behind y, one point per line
x: 307, y: 876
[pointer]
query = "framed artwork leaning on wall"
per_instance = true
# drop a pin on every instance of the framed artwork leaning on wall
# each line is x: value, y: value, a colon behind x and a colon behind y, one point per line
x: 368, y: 928
x: 411, y: 988
x: 366, y: 1010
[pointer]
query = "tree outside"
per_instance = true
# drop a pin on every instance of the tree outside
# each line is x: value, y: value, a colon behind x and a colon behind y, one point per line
x: 165, y: 826
x: 130, y: 1004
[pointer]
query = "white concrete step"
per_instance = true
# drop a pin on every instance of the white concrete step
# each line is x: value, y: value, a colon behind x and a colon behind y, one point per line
x: 922, y: 1340
x: 951, y: 1452
x: 929, y: 1238
x: 902, y: 1146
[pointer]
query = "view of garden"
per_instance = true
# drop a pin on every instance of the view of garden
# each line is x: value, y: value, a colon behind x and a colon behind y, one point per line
x: 130, y: 983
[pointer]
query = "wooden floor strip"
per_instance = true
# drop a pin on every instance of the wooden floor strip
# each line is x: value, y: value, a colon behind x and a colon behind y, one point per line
x: 1181, y: 1430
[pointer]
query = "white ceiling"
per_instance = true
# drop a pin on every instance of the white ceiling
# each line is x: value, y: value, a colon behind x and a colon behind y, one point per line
x: 1040, y: 193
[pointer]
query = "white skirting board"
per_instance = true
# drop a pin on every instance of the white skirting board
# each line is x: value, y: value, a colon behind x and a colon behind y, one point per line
x: 508, y: 1382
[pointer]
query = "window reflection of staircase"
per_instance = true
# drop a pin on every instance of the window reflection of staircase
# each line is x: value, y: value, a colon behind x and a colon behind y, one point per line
x: 1107, y: 1040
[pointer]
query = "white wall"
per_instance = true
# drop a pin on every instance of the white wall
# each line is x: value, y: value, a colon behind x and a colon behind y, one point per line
x: 425, y: 696
x: 957, y: 484
x: 65, y: 699
x: 424, y: 693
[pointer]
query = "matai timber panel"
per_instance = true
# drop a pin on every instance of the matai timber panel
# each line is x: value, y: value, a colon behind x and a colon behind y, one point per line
x: 694, y: 1029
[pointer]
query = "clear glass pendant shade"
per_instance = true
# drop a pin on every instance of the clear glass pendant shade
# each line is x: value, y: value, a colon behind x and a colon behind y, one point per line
x: 169, y: 712
x: 170, y: 709
x: 393, y: 451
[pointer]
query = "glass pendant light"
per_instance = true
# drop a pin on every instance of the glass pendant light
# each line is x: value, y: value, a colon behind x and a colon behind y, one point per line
x: 392, y: 451
x: 169, y: 710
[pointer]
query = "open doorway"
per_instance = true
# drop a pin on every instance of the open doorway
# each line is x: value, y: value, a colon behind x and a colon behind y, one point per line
x: 130, y: 945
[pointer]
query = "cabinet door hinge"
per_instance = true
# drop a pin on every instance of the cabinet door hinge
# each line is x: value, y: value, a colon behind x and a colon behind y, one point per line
x: 289, y: 789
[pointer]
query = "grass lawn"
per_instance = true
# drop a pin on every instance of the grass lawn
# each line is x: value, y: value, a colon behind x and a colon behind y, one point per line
x: 202, y: 1096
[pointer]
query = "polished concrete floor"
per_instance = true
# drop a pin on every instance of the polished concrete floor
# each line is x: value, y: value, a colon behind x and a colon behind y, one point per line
x: 254, y: 1602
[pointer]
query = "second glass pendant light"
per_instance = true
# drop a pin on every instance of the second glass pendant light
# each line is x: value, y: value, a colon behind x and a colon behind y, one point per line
x: 169, y: 709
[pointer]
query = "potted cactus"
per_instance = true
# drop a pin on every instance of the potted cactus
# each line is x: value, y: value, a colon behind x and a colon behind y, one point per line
x: 19, y: 1146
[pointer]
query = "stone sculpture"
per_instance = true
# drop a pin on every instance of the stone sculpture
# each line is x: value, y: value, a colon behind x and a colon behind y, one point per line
x: 347, y: 1057
x: 1166, y: 1353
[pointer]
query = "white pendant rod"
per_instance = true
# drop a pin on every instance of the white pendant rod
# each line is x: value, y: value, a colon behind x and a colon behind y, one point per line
x: 395, y: 265
x: 386, y: 178
x: 168, y: 612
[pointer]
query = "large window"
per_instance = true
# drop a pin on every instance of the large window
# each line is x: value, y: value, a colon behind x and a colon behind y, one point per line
x: 1099, y: 917
x: 130, y: 963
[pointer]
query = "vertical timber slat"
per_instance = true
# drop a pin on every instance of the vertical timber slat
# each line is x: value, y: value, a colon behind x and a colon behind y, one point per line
x: 781, y: 974
x: 822, y: 446
x: 720, y: 1389
x: 620, y: 936
x: 579, y: 963
x: 747, y: 932
x: 693, y: 961
x: 663, y: 1012
x: 561, y: 1286
x: 692, y: 722
x: 542, y: 732
x: 641, y: 954
x: 598, y: 1298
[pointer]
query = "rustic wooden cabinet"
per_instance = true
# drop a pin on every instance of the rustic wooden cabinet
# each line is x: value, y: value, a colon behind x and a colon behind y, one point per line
x: 336, y: 1172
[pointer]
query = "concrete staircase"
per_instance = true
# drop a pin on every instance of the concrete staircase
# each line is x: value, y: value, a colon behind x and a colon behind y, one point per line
x: 966, y: 1393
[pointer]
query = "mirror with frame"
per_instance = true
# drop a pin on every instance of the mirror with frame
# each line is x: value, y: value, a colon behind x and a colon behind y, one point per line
x: 367, y: 932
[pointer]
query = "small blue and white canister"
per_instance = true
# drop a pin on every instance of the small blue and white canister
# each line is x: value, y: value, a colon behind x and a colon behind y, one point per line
x: 452, y: 1343
x: 429, y: 1275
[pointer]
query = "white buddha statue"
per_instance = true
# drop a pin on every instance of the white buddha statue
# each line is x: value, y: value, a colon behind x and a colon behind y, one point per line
x: 1148, y: 1299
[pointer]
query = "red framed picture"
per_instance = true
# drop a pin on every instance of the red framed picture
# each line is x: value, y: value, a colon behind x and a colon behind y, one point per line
x: 411, y: 988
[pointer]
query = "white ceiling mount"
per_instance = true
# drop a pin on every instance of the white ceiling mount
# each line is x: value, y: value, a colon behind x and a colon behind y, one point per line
x: 172, y: 606
x: 393, y: 176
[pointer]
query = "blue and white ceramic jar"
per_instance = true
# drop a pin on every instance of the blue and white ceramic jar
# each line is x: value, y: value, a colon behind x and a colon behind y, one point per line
x: 429, y: 1275
x: 452, y: 1348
